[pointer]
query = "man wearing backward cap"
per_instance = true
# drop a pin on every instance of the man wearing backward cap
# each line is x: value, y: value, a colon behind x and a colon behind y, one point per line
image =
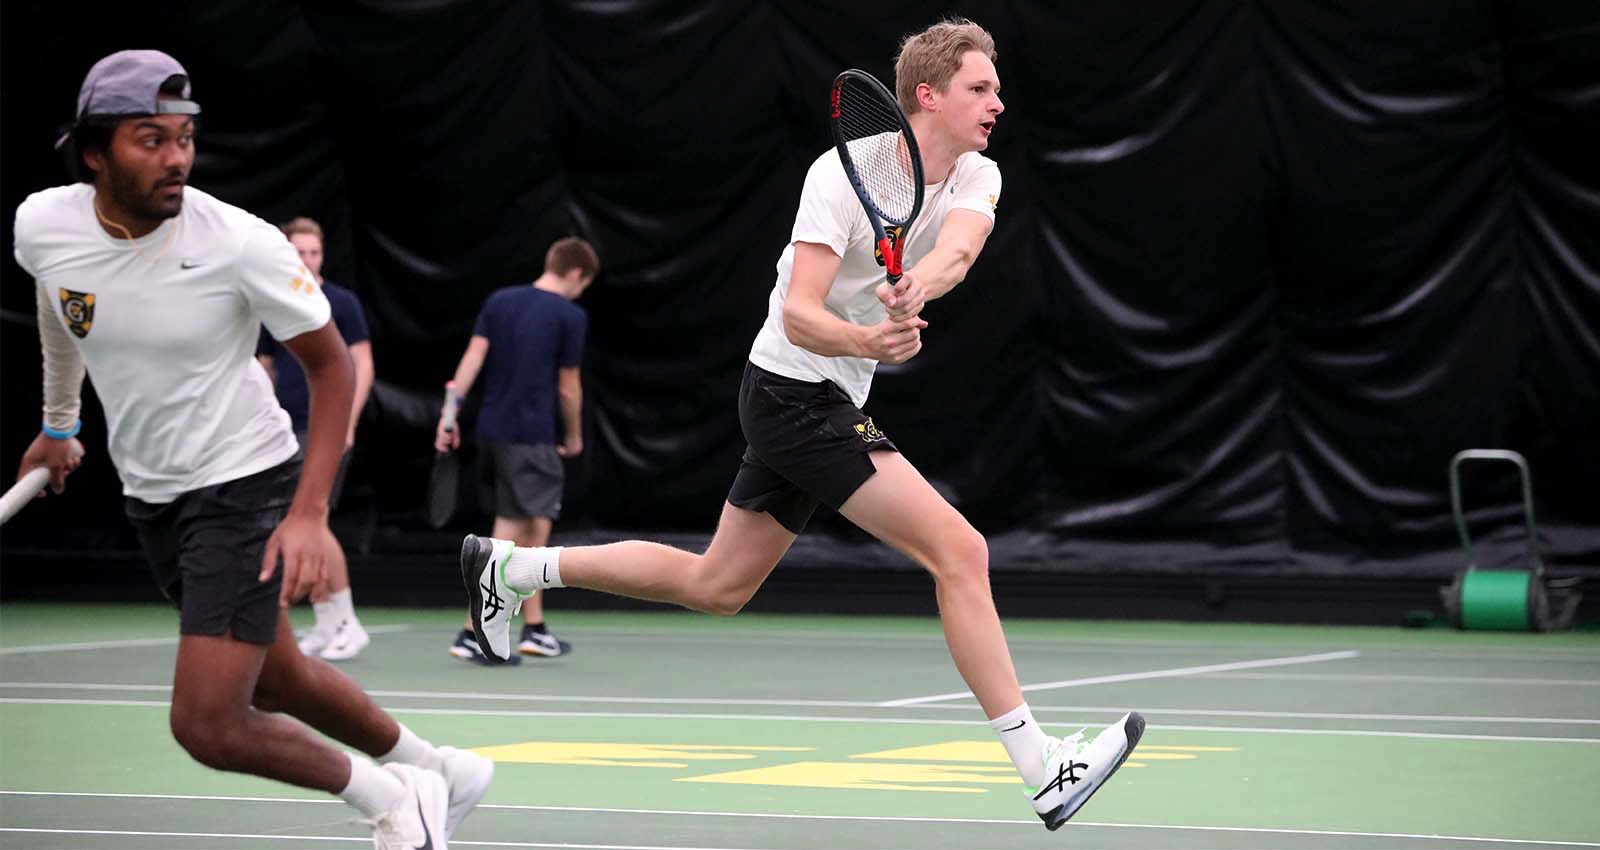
x: 158, y: 290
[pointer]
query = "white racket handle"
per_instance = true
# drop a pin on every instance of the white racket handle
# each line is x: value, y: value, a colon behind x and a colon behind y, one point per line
x: 452, y: 404
x: 28, y: 486
x: 23, y: 492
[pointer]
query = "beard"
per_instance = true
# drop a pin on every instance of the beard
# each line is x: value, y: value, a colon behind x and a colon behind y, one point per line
x: 139, y: 201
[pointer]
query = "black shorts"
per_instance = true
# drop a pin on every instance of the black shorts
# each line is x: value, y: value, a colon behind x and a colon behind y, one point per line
x: 807, y: 445
x: 205, y: 550
x: 520, y: 480
x: 337, y: 489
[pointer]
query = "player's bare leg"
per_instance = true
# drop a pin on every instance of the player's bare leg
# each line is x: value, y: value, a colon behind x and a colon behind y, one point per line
x: 213, y: 718
x: 320, y: 696
x: 325, y: 699
x: 898, y: 506
x: 742, y: 553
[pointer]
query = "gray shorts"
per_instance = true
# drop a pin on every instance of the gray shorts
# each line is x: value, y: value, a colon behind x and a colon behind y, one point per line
x: 520, y: 480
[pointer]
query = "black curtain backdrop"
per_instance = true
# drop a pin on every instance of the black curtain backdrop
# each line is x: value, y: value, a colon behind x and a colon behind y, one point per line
x: 1261, y: 267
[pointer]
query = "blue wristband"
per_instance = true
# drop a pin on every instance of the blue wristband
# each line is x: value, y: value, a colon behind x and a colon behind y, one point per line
x: 77, y: 425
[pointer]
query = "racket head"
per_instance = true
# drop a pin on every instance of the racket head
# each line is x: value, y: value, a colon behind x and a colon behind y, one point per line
x: 443, y: 484
x: 877, y: 149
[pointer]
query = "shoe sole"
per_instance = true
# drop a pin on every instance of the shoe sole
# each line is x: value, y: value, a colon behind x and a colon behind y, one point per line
x: 1133, y: 730
x: 475, y: 552
x: 539, y: 653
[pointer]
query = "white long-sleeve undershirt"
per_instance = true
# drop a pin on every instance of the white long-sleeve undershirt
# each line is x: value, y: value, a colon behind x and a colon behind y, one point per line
x: 63, y: 368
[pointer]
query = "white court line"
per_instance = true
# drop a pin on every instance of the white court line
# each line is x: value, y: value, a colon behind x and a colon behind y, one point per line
x: 1031, y: 824
x: 791, y: 718
x: 281, y: 836
x: 455, y: 696
x: 1401, y: 678
x: 161, y: 641
x: 1149, y: 674
x: 1465, y: 652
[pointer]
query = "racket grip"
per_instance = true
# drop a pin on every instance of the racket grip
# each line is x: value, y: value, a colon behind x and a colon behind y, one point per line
x: 30, y: 485
x: 22, y: 492
x: 452, y: 406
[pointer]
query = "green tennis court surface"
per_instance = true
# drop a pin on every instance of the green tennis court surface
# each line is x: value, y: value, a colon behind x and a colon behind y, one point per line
x: 768, y: 733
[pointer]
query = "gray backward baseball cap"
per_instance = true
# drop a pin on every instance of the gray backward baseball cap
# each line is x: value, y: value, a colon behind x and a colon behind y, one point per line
x: 130, y: 83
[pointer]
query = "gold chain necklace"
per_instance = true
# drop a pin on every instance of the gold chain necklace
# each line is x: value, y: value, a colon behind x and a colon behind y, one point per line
x: 128, y: 235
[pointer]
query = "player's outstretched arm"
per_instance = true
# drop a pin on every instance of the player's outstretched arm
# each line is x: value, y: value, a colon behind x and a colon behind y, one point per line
x: 808, y: 323
x: 961, y: 239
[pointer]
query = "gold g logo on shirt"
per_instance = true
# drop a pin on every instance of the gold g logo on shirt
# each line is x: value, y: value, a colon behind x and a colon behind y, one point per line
x: 78, y: 308
x: 894, y: 234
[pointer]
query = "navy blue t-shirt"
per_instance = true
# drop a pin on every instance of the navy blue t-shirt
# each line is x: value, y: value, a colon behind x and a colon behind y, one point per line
x: 293, y: 391
x: 532, y: 333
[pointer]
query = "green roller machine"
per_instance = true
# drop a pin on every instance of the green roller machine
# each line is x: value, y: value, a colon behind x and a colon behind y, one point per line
x: 1520, y: 599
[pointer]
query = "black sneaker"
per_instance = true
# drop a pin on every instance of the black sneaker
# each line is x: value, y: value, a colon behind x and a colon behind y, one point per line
x: 541, y: 643
x: 466, y: 649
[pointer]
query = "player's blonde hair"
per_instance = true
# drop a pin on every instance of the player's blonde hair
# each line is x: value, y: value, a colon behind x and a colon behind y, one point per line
x: 933, y: 56
x: 302, y: 224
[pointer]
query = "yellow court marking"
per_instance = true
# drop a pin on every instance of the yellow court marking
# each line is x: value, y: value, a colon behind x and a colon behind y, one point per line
x: 624, y: 755
x: 874, y: 776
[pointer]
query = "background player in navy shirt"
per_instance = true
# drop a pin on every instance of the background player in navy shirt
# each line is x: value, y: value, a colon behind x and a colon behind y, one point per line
x: 528, y: 342
x: 337, y: 634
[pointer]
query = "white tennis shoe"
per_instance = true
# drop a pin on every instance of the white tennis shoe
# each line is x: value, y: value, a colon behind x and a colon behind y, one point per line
x: 348, y: 641
x: 417, y: 821
x: 315, y: 640
x: 492, y: 603
x: 468, y: 776
x: 1075, y: 768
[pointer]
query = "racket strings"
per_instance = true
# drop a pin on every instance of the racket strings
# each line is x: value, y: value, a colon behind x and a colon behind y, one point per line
x: 873, y: 137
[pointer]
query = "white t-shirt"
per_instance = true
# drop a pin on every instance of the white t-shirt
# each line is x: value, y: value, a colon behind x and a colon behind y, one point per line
x: 167, y: 326
x: 830, y: 214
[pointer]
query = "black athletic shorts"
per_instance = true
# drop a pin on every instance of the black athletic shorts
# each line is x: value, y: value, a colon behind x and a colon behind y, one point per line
x: 521, y: 480
x: 807, y: 445
x: 205, y: 550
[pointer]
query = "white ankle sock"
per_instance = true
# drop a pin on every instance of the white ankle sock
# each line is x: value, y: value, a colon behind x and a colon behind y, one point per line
x: 343, y: 606
x: 411, y: 749
x: 372, y: 790
x: 1024, y: 742
x: 534, y: 568
x: 327, y: 614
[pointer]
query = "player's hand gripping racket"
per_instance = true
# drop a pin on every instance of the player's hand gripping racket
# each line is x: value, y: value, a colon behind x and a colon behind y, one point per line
x: 28, y: 487
x: 880, y: 156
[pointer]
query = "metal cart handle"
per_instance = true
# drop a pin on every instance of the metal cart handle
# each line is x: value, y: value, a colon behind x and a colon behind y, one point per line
x: 1527, y: 500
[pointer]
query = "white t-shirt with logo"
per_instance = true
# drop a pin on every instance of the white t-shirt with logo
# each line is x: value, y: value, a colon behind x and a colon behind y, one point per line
x: 830, y: 214
x: 167, y: 326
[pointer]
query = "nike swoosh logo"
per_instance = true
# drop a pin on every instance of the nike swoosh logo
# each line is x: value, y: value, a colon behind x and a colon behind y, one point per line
x: 189, y: 264
x: 1020, y: 724
x: 427, y: 837
x: 547, y: 573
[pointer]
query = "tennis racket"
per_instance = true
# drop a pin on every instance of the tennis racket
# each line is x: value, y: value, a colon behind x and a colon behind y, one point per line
x: 880, y: 157
x: 444, y: 479
x: 27, y: 487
